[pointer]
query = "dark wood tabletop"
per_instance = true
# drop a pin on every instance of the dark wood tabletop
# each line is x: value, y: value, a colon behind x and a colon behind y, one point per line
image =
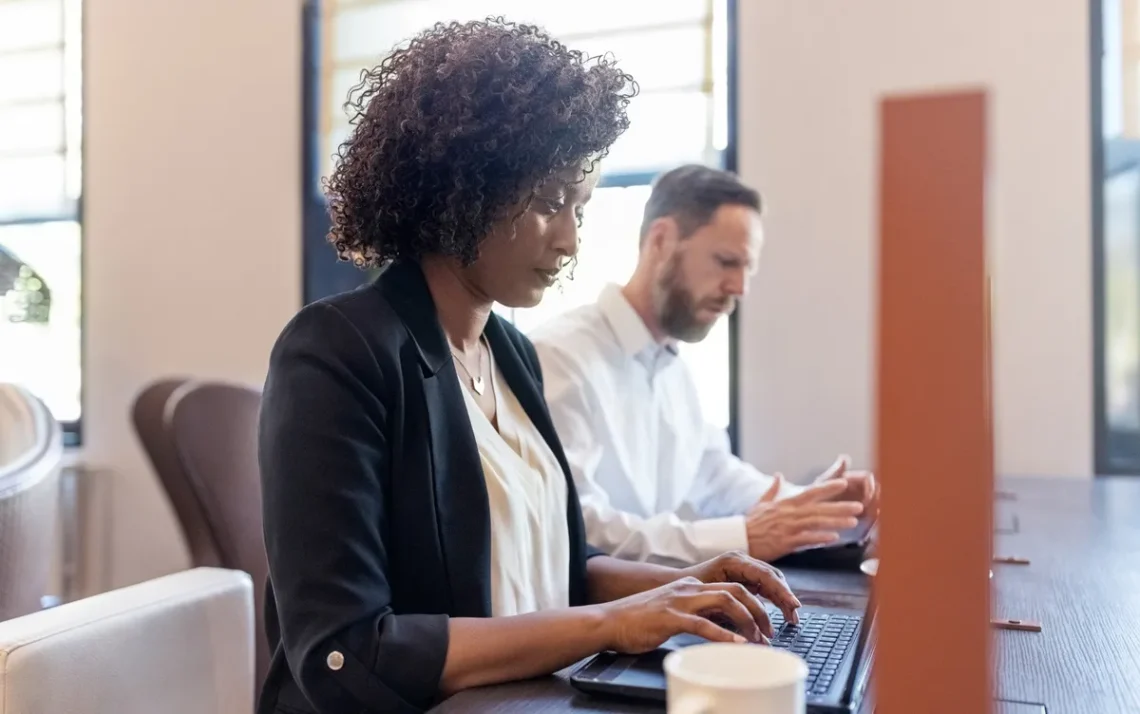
x: 1082, y: 584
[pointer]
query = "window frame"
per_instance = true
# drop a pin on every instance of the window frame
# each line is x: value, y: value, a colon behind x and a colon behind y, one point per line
x: 73, y: 213
x: 321, y: 275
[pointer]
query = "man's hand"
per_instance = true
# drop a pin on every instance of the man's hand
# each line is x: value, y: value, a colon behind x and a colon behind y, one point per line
x: 861, y: 485
x: 810, y: 518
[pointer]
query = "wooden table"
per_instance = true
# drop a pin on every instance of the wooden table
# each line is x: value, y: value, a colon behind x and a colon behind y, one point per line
x: 1082, y: 538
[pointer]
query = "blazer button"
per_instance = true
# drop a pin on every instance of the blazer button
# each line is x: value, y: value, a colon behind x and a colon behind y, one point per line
x: 335, y: 660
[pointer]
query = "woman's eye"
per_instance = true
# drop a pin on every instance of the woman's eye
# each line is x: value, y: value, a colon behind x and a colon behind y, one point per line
x: 551, y: 205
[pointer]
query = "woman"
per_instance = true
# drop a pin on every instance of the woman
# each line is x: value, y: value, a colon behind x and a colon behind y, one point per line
x: 422, y: 528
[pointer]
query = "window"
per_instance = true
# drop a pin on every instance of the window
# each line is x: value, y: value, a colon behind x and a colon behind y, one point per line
x: 40, y: 184
x: 679, y: 55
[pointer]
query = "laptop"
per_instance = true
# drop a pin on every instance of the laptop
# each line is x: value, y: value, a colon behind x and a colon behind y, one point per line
x: 844, y: 553
x: 861, y: 535
x: 834, y: 636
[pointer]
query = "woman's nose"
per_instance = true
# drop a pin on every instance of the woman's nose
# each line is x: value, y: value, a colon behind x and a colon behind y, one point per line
x: 566, y: 241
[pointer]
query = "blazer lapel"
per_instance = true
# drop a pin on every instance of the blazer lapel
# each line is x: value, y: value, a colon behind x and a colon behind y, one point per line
x: 460, y: 489
x: 523, y: 383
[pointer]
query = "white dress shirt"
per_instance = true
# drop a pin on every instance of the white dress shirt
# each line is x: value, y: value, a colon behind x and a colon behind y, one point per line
x: 526, y: 492
x: 656, y: 481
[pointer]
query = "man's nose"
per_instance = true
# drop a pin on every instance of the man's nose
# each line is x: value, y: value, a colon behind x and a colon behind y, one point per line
x: 735, y: 283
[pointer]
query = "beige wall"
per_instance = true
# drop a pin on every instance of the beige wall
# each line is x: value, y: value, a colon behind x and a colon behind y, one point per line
x: 193, y: 245
x: 811, y: 75
x: 192, y: 225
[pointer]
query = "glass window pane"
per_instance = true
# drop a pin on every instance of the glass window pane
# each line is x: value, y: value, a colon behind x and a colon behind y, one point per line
x: 1120, y: 244
x: 30, y: 23
x: 31, y: 76
x: 672, y: 58
x: 583, y: 17
x: 371, y: 29
x: 671, y: 122
x: 665, y: 130
x: 608, y: 254
x: 332, y: 143
x: 73, y: 100
x: 40, y: 312
x: 1122, y: 299
x: 32, y: 186
x: 343, y: 80
x: 31, y: 128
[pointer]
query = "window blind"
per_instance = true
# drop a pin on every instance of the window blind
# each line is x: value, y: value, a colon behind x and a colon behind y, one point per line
x: 673, y: 48
x: 40, y: 68
x: 40, y: 184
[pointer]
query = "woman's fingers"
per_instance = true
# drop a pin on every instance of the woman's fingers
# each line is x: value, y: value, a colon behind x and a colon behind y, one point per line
x: 733, y: 602
x: 763, y: 580
x: 701, y: 627
x: 750, y: 601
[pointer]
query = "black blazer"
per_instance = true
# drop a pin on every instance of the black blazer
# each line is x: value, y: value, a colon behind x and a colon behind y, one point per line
x: 376, y: 519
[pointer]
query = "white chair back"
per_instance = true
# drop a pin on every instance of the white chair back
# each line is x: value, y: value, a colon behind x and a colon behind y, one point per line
x: 25, y: 427
x: 31, y: 452
x: 180, y: 644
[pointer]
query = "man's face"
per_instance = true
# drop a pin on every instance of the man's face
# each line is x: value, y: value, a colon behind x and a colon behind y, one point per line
x: 708, y: 272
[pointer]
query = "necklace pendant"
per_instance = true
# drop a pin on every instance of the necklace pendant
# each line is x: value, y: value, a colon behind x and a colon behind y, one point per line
x: 478, y: 385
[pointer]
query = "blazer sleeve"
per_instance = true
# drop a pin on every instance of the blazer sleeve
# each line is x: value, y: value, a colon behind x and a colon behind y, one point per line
x: 324, y: 457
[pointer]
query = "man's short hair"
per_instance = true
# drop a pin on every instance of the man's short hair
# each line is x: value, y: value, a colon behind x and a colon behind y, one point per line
x: 691, y: 194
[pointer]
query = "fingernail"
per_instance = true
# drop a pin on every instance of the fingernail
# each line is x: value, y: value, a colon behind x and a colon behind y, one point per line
x: 739, y: 640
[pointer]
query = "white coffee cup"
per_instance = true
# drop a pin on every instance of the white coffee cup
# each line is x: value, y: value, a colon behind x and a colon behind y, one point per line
x: 725, y: 678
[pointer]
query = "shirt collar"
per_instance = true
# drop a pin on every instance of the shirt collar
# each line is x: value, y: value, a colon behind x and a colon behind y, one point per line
x: 630, y: 330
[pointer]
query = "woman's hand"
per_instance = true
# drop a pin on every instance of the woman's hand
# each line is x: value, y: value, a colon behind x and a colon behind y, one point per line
x: 641, y: 622
x: 758, y: 577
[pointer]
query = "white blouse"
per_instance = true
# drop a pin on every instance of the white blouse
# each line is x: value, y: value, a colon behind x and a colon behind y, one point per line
x: 526, y: 490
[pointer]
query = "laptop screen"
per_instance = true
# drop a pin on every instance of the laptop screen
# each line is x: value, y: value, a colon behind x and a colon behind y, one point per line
x: 860, y: 670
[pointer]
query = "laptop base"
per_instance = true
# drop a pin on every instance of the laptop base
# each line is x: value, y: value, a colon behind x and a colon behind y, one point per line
x: 641, y: 677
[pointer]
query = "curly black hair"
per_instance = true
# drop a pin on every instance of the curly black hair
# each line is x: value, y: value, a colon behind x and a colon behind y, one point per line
x: 463, y: 122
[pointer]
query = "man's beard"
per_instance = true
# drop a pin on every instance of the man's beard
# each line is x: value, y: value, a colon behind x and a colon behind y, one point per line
x: 678, y: 309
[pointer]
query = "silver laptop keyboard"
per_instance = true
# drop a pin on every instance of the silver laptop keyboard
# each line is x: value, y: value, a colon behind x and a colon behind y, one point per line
x: 821, y: 639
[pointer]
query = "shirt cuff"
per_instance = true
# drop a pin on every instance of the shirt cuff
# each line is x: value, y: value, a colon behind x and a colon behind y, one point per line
x: 716, y: 536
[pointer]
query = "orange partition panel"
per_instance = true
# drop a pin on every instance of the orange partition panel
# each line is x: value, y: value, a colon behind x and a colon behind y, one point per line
x: 934, y: 450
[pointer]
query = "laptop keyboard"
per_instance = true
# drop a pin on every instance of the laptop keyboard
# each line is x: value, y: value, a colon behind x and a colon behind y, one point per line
x: 821, y: 639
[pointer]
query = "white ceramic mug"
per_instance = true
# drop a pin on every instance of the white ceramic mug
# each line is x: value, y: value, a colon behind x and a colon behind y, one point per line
x: 725, y: 678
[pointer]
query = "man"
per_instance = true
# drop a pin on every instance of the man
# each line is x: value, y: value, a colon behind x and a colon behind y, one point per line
x: 656, y: 481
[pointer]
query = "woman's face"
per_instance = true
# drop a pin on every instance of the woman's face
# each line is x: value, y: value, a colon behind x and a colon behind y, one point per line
x: 523, y: 257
